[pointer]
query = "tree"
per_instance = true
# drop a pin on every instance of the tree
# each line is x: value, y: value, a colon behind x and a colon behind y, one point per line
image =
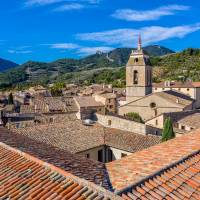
x: 134, y: 117
x: 10, y: 99
x: 168, y: 132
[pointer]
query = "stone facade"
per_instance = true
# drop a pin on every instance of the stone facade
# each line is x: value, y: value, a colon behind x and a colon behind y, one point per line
x: 152, y: 106
x: 138, y: 75
x: 127, y: 125
x: 192, y: 91
x: 122, y: 124
x: 109, y: 100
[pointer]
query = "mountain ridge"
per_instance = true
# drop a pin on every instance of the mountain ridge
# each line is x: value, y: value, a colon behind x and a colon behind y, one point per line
x: 6, y: 64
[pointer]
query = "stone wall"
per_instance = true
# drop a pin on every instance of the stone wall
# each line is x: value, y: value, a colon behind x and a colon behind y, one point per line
x: 120, y: 123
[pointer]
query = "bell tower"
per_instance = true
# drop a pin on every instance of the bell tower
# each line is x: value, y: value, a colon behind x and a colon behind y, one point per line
x: 138, y: 74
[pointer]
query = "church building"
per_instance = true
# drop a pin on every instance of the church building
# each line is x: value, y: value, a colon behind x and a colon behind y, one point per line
x: 139, y: 96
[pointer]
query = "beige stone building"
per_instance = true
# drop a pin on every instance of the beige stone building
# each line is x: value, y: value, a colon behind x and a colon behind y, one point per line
x: 87, y: 106
x: 109, y: 100
x: 155, y: 104
x: 189, y: 88
x: 139, y: 96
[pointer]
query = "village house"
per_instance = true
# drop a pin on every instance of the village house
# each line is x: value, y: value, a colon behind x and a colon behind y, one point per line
x: 183, y: 122
x: 192, y: 89
x: 109, y: 100
x: 87, y: 106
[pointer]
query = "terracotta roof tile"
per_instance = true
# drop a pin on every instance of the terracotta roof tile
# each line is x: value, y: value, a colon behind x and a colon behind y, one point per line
x: 75, y: 164
x: 25, y: 177
x: 142, y: 164
x: 176, y: 183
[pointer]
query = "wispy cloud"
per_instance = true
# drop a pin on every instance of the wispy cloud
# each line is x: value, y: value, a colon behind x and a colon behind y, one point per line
x: 66, y: 7
x: 11, y: 51
x: 135, y: 15
x: 126, y: 37
x: 31, y: 3
x: 62, y: 46
x: 81, y: 50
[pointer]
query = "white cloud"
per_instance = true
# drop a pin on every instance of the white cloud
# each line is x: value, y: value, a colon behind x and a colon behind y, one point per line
x: 66, y: 7
x: 81, y: 50
x: 18, y: 52
x: 92, y: 50
x: 127, y: 37
x: 63, y: 46
x: 30, y: 3
x: 41, y: 2
x: 135, y: 15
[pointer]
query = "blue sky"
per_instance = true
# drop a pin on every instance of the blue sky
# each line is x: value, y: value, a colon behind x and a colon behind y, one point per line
x: 46, y: 30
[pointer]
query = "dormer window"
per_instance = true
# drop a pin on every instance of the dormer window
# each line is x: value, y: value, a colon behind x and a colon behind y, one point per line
x: 135, y: 77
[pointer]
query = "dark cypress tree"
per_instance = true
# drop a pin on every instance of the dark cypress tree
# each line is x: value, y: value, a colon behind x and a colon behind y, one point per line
x: 168, y: 132
x: 10, y: 99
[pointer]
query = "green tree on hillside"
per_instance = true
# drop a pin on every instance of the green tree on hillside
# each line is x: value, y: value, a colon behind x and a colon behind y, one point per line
x: 168, y: 132
x: 134, y: 117
x: 10, y: 99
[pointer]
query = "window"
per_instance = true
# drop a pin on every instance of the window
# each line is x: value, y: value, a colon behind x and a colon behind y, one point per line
x: 100, y: 155
x: 156, y: 112
x: 135, y: 77
x: 110, y: 155
x: 183, y: 127
x: 111, y: 107
x: 188, y: 89
x: 155, y: 88
x: 109, y: 122
x: 123, y: 155
x: 153, y: 105
x: 51, y: 120
x: 136, y: 60
x: 156, y: 122
x: 109, y: 100
x: 87, y: 155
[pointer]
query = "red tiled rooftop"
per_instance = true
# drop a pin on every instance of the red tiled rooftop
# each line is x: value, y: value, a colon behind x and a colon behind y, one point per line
x: 77, y: 165
x: 134, y: 168
x: 25, y: 177
x: 181, y: 181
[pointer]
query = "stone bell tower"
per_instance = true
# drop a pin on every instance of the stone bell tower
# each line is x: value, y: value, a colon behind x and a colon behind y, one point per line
x: 138, y: 74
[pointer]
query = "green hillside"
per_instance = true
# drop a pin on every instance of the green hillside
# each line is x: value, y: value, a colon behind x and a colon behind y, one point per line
x: 105, y: 68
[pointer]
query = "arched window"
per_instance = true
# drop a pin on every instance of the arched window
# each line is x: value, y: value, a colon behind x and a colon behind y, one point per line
x: 135, y: 77
x: 136, y: 60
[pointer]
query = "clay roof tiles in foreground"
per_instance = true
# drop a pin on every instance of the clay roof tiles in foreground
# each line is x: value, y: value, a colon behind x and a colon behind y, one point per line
x: 181, y: 181
x: 134, y: 168
x: 25, y: 177
x: 77, y: 165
